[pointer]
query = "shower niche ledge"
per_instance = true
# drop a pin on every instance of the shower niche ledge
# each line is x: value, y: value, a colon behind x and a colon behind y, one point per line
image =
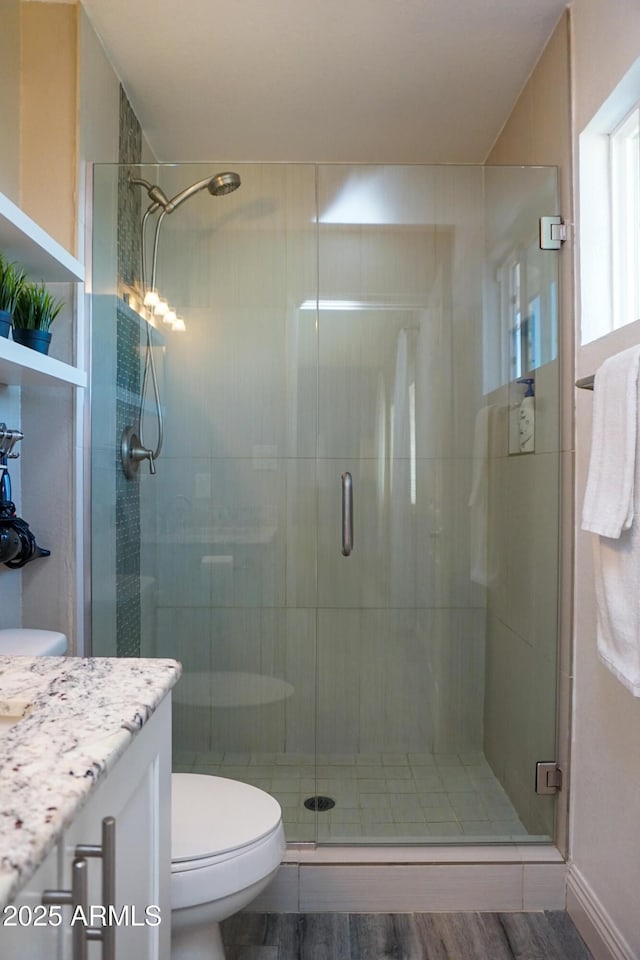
x: 43, y: 259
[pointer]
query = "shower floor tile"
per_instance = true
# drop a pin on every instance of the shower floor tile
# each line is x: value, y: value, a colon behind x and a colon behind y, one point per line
x: 380, y: 797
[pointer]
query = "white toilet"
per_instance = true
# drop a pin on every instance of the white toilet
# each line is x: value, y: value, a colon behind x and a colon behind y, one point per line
x: 22, y: 642
x: 227, y: 838
x: 227, y: 842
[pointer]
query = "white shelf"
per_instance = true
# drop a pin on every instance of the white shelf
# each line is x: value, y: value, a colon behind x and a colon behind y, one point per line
x: 21, y: 366
x: 24, y: 242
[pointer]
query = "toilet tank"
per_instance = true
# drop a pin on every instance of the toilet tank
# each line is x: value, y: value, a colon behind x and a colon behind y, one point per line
x: 21, y: 642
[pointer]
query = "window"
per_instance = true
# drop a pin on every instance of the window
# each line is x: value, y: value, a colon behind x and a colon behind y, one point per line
x: 624, y: 165
x: 609, y: 149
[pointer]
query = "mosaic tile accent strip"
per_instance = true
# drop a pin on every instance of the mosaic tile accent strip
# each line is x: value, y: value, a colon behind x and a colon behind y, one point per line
x: 394, y: 798
x: 127, y: 491
x: 128, y: 382
x: 129, y: 201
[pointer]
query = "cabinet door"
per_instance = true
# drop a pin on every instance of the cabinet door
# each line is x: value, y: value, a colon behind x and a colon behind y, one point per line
x: 29, y: 931
x: 137, y: 792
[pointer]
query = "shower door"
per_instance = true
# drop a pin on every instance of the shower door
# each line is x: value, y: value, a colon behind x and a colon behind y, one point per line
x: 426, y: 657
x: 354, y: 338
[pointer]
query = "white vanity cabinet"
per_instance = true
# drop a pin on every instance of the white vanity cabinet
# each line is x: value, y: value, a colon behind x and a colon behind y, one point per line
x: 27, y: 929
x: 136, y: 793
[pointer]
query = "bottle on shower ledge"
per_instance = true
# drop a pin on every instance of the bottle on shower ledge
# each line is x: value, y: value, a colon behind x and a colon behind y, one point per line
x: 527, y: 417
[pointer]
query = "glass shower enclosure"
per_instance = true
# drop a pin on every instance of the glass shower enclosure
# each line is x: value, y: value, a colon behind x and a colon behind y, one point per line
x: 351, y: 537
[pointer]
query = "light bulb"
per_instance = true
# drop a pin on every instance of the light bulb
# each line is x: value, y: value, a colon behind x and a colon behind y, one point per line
x: 161, y: 308
x: 169, y: 317
x: 179, y: 325
x: 151, y: 298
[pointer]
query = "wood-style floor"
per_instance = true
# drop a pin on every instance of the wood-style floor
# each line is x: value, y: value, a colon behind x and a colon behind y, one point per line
x: 403, y: 936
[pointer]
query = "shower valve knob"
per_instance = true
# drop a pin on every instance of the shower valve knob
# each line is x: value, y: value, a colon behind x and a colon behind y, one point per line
x: 132, y: 453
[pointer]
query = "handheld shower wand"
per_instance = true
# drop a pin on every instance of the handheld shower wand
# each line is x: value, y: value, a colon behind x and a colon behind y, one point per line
x: 133, y: 449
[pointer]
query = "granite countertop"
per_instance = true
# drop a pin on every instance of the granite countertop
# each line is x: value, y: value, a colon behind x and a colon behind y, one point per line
x: 82, y: 715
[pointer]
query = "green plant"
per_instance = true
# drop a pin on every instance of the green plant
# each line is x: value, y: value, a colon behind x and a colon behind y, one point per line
x: 12, y: 281
x: 35, y: 308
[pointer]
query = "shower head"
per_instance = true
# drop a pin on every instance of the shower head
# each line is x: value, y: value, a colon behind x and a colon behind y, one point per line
x: 223, y: 183
x: 218, y: 186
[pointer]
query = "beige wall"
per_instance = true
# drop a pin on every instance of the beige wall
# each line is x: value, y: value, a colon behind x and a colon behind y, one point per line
x: 10, y: 100
x: 605, y: 809
x: 520, y: 711
x: 49, y: 117
x: 605, y: 44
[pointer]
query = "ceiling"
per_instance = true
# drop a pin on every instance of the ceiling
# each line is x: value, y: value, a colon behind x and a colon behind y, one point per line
x: 339, y: 80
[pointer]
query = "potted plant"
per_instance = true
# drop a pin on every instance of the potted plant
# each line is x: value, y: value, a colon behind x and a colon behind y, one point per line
x: 34, y: 312
x: 11, y: 283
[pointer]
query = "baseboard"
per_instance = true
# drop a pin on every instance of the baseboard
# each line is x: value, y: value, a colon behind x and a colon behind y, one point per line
x: 593, y: 922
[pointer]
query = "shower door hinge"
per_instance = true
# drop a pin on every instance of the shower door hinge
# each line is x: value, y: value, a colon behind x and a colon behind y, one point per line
x: 553, y: 233
x: 548, y: 777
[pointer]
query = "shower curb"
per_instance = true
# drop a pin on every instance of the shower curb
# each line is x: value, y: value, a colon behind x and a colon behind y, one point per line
x: 388, y: 880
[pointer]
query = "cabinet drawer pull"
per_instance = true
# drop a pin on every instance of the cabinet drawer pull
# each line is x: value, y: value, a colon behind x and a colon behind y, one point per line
x: 107, y: 852
x: 76, y: 897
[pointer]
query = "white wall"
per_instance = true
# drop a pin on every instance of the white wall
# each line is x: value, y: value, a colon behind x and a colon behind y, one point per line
x: 99, y: 104
x: 605, y: 809
x: 98, y: 143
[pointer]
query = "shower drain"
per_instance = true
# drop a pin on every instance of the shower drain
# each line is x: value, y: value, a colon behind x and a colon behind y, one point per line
x: 319, y: 803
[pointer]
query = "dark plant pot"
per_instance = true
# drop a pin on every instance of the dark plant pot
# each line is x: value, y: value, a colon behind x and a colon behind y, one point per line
x: 5, y: 323
x: 36, y: 339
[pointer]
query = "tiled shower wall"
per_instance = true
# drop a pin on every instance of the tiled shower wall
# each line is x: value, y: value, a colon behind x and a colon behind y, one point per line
x: 249, y: 548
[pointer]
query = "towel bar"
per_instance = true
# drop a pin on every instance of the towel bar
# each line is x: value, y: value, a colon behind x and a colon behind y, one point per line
x: 586, y: 383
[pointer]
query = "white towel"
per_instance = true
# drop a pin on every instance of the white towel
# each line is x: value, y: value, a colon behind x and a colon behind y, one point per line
x: 617, y: 580
x: 612, y: 504
x: 608, y: 501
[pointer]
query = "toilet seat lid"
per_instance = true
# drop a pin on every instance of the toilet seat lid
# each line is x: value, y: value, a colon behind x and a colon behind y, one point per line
x: 213, y: 815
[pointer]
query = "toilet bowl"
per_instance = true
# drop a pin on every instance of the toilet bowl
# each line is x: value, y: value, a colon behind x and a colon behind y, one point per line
x: 227, y: 842
x: 24, y: 642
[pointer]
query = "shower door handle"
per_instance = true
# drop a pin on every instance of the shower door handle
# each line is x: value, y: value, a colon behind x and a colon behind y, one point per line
x: 347, y: 514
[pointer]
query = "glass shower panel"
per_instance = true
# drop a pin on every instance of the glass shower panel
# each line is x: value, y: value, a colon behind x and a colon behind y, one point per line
x: 225, y: 558
x: 522, y: 490
x: 378, y: 321
x: 405, y: 629
x: 238, y: 606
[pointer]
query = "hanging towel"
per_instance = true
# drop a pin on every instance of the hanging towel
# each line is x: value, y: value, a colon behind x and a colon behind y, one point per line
x: 611, y: 508
x: 608, y: 501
